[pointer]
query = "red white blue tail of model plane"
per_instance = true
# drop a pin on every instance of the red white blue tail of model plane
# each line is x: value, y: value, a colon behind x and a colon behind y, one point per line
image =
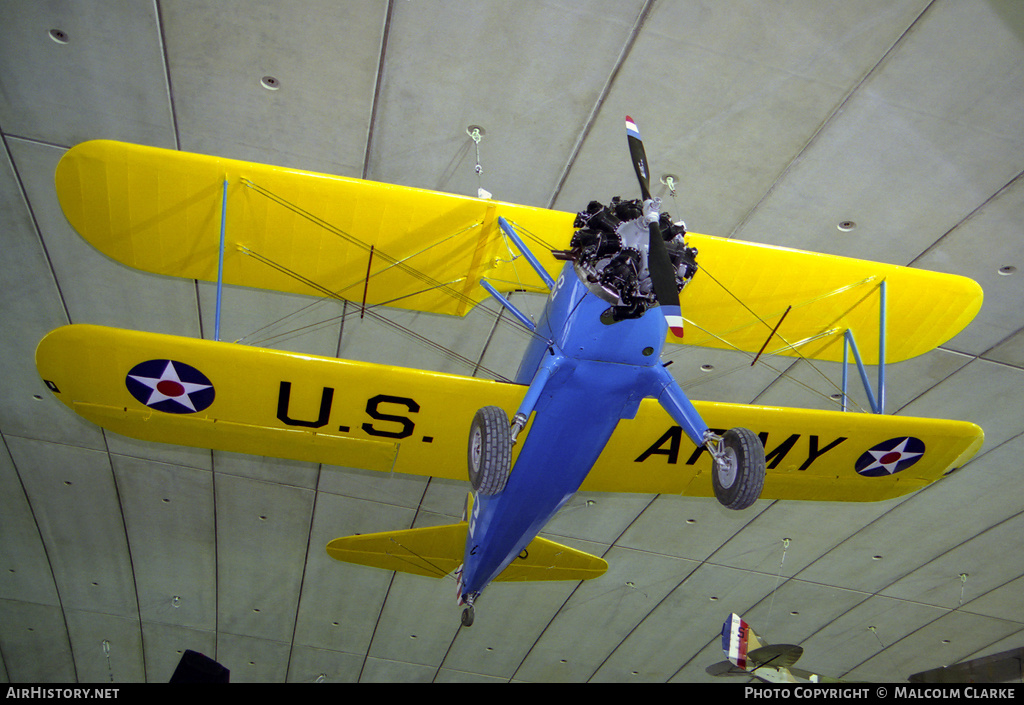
x: 749, y: 655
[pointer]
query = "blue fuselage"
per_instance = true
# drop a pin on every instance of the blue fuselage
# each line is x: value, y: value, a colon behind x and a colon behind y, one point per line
x: 585, y: 375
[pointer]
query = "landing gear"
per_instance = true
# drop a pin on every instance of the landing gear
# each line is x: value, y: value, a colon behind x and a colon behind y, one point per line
x: 738, y: 474
x: 468, y: 613
x: 490, y: 452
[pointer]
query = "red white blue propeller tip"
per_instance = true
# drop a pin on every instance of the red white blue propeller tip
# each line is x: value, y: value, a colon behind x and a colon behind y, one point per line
x: 631, y: 128
x: 674, y: 317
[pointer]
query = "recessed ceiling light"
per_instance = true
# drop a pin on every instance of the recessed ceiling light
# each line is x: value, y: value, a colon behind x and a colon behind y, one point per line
x: 1007, y: 270
x: 270, y: 83
x: 707, y: 367
x: 59, y: 36
x: 846, y: 226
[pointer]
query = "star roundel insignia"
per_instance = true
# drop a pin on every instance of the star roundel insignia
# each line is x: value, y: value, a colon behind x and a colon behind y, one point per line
x: 170, y: 386
x: 890, y: 457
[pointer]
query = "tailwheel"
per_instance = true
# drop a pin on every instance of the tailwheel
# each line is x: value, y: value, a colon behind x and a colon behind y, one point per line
x: 468, y: 613
x: 490, y: 450
x: 739, y: 468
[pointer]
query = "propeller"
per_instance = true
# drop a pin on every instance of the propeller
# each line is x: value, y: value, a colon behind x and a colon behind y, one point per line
x: 663, y: 274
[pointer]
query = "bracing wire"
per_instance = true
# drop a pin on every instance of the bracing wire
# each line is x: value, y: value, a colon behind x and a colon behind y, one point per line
x: 788, y: 346
x: 452, y: 289
x: 441, y: 573
x: 431, y: 284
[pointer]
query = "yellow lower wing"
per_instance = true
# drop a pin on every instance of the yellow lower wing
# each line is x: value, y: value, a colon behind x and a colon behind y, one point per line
x: 437, y: 551
x: 160, y: 211
x: 231, y: 397
x: 811, y: 455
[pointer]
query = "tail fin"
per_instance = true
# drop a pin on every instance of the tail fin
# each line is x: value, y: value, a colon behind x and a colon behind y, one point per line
x: 736, y: 640
x: 747, y: 650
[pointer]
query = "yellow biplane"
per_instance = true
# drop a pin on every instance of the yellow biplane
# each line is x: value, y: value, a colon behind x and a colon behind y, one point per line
x: 592, y: 405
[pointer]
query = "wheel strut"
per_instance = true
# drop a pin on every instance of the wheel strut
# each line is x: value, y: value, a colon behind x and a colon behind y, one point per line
x: 469, y: 613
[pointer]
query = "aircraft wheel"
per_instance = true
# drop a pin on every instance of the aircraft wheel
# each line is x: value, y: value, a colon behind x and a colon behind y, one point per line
x: 467, y: 616
x: 490, y: 450
x: 738, y: 476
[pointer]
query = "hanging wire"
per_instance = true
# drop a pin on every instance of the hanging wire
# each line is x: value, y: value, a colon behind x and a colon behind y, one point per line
x: 778, y: 576
x: 670, y: 181
x: 475, y: 133
x: 106, y: 652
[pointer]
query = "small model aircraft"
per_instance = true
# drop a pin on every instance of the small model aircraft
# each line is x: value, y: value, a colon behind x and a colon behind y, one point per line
x: 592, y: 406
x: 749, y: 655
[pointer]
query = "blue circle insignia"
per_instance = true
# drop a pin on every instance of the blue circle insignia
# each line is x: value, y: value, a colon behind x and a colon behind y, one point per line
x: 170, y: 386
x: 888, y: 458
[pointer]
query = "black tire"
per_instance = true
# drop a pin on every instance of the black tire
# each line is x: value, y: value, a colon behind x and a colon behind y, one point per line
x: 468, y: 615
x: 739, y: 478
x: 490, y: 450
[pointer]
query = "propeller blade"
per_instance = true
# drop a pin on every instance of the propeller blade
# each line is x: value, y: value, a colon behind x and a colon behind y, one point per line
x: 636, y: 151
x: 663, y: 274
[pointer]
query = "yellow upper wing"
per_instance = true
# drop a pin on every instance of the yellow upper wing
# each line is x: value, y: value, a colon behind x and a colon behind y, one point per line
x: 160, y: 211
x: 745, y: 289
x: 354, y: 414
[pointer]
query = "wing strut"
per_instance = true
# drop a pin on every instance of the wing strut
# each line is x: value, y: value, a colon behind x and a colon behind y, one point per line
x: 512, y: 235
x: 220, y: 259
x: 520, y: 316
x: 530, y: 257
x: 877, y: 403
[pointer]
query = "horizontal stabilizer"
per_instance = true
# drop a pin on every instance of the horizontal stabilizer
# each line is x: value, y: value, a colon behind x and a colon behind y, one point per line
x: 547, y: 560
x: 438, y: 550
x: 724, y: 669
x: 778, y: 655
x: 435, y: 551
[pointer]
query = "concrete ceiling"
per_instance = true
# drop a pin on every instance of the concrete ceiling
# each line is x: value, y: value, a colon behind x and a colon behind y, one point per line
x: 780, y: 119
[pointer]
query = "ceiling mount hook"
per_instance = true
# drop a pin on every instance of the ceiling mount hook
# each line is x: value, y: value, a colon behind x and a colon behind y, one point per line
x: 476, y: 133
